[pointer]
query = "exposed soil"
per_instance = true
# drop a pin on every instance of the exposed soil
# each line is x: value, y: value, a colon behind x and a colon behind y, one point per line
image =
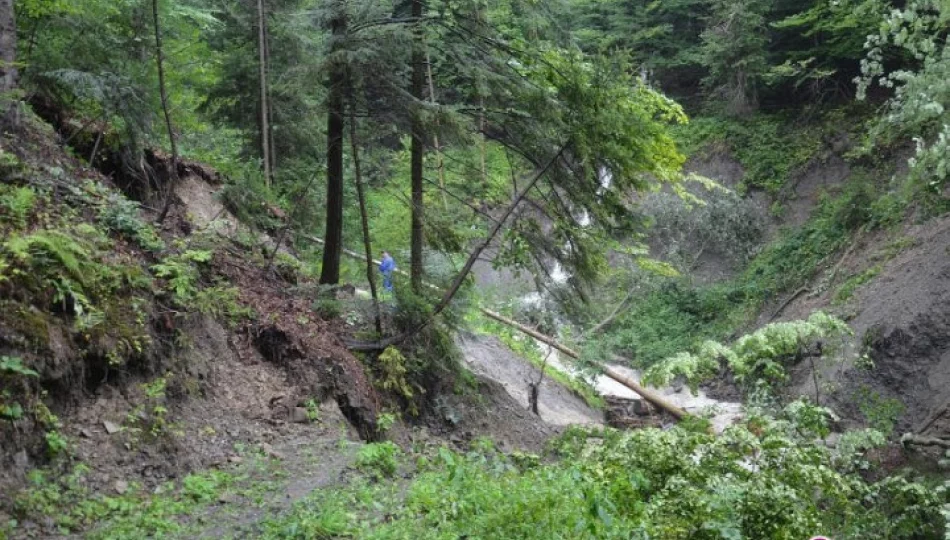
x: 901, y: 321
x: 557, y: 405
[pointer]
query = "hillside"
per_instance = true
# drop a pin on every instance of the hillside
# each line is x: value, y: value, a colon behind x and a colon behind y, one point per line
x: 296, y: 269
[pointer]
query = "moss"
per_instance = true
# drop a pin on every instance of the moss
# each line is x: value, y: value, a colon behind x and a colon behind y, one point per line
x: 30, y: 323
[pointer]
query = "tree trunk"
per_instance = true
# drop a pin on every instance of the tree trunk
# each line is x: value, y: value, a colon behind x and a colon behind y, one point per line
x: 335, y: 125
x: 417, y: 239
x: 163, y: 92
x: 265, y: 110
x: 364, y: 219
x: 8, y: 72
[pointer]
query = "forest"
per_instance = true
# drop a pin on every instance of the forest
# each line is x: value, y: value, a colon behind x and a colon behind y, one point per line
x: 602, y: 213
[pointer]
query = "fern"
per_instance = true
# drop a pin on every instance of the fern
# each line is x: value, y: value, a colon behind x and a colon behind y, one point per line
x: 17, y: 203
x: 47, y: 250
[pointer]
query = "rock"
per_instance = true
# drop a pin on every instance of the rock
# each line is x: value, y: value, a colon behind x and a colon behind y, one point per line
x: 237, y: 460
x: 21, y: 461
x: 111, y: 428
x: 642, y: 407
x: 121, y: 486
x: 269, y: 451
x: 299, y: 415
x: 85, y: 433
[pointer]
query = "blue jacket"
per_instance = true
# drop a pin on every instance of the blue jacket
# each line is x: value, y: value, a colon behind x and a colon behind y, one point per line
x: 387, y: 265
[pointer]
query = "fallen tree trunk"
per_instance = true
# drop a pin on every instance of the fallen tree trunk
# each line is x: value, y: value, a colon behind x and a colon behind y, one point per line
x: 919, y: 440
x: 648, y: 395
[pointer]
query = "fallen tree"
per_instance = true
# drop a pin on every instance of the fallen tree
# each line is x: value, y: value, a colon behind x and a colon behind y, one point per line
x: 647, y: 394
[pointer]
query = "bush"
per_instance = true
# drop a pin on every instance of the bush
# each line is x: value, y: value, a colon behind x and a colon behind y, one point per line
x: 378, y: 459
x: 769, y: 477
x: 123, y: 216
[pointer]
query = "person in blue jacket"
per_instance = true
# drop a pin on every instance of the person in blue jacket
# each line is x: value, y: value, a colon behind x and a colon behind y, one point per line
x: 386, y: 267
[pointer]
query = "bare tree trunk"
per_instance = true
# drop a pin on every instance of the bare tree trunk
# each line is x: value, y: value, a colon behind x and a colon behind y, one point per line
x: 335, y: 126
x: 163, y: 92
x: 417, y: 238
x: 364, y: 219
x: 8, y: 71
x: 482, y: 147
x: 265, y: 110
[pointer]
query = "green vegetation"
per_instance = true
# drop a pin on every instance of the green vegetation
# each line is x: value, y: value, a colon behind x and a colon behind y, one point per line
x: 770, y: 147
x: 757, y: 360
x: 765, y: 478
x: 378, y: 459
x: 14, y: 376
x: 847, y: 289
x: 551, y: 126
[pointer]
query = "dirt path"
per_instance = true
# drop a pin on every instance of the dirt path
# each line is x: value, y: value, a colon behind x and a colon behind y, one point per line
x: 490, y: 358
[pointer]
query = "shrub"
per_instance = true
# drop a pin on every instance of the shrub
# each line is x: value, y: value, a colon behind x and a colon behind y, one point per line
x: 123, y: 216
x: 17, y: 203
x: 378, y: 459
x: 755, y: 359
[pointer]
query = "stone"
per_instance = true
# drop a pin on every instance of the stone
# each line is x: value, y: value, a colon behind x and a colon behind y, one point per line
x: 21, y: 460
x: 269, y: 451
x: 85, y: 433
x: 299, y: 415
x: 111, y: 428
x: 121, y: 486
x: 642, y: 407
x: 237, y: 460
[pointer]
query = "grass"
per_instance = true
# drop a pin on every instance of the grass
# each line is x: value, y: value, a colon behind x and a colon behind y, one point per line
x: 853, y: 283
x: 174, y: 509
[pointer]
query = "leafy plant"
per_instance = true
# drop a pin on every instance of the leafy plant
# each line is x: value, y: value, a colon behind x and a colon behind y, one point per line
x: 881, y: 413
x: 182, y: 274
x: 392, y: 365
x: 148, y: 420
x: 378, y: 459
x: 386, y: 421
x: 328, y: 309
x: 12, y: 370
x: 758, y: 358
x: 123, y: 216
x: 17, y: 203
x: 847, y: 289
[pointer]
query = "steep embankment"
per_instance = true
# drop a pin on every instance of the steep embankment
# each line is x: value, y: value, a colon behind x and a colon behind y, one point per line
x: 888, y: 276
x: 133, y: 355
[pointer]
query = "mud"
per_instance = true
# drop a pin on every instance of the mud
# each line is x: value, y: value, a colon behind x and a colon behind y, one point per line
x: 557, y: 405
x: 901, y: 322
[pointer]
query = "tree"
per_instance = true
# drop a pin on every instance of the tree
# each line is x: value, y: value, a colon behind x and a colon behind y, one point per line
x: 417, y: 239
x: 734, y: 52
x: 920, y: 106
x: 336, y: 86
x: 163, y: 93
x: 8, y: 71
x: 265, y: 108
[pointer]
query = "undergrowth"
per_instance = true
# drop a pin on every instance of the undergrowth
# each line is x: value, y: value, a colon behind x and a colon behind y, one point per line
x: 770, y: 148
x: 672, y: 315
x: 769, y: 477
